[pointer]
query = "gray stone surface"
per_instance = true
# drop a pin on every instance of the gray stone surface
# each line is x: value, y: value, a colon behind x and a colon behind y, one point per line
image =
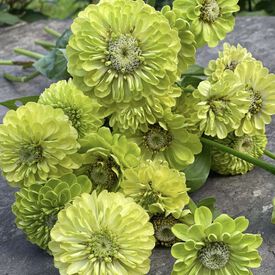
x: 248, y: 195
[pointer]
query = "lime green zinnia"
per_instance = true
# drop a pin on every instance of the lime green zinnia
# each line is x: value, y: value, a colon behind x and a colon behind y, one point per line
x: 36, y: 207
x: 222, y: 106
x: 105, y: 156
x: 260, y: 85
x: 156, y: 187
x: 216, y: 247
x: 227, y: 164
x: 121, y: 60
x: 37, y: 142
x: 229, y: 59
x: 102, y: 234
x: 81, y: 110
x: 210, y: 20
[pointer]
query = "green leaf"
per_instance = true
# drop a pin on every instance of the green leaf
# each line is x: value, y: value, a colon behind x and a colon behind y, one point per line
x: 195, y: 70
x: 9, y: 19
x: 190, y: 80
x: 63, y: 40
x: 198, y: 172
x: 209, y: 202
x: 53, y: 65
x: 13, y: 104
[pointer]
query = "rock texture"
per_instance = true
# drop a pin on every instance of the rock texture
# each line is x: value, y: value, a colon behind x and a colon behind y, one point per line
x: 248, y: 195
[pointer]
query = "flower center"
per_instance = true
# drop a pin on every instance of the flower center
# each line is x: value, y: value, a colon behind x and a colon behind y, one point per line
x: 232, y: 66
x: 74, y: 116
x: 218, y: 106
x: 104, y: 173
x: 256, y: 102
x: 103, y: 246
x: 31, y: 154
x: 157, y: 138
x: 210, y: 11
x: 162, y: 228
x: 124, y: 54
x: 214, y: 255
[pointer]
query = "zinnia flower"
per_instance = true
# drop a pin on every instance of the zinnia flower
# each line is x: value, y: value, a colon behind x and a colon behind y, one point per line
x: 210, y: 20
x: 229, y: 59
x: 222, y: 106
x: 36, y: 206
x: 215, y: 247
x: 37, y: 142
x: 227, y: 164
x: 105, y: 156
x: 81, y: 110
x: 156, y: 187
x: 102, y: 234
x: 121, y: 60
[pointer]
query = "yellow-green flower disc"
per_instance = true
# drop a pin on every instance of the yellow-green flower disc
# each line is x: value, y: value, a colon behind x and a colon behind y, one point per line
x: 105, y: 234
x: 216, y: 247
x: 260, y: 85
x: 222, y: 106
x: 82, y: 111
x: 156, y: 187
x: 121, y: 50
x: 187, y: 52
x: 169, y: 140
x: 37, y: 142
x: 105, y: 157
x: 227, y: 164
x: 36, y: 206
x: 210, y: 20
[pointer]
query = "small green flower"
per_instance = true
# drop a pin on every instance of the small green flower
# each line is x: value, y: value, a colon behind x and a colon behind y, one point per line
x: 216, y: 247
x: 156, y: 187
x: 36, y: 207
x: 229, y: 59
x: 260, y: 84
x: 105, y: 157
x: 81, y: 110
x: 169, y: 140
x: 227, y: 164
x: 37, y: 142
x: 222, y: 106
x: 210, y: 20
x: 123, y: 59
x: 102, y: 234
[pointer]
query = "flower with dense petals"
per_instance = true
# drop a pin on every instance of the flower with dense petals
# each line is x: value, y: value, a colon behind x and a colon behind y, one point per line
x: 260, y: 84
x: 81, y: 110
x: 36, y: 206
x: 37, y: 142
x: 169, y: 140
x: 227, y: 164
x: 156, y: 187
x: 229, y: 59
x: 210, y: 20
x: 105, y: 234
x: 121, y: 50
x: 222, y: 106
x: 105, y: 156
x: 216, y: 247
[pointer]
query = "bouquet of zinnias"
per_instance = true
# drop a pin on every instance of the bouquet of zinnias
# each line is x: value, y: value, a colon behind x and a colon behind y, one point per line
x: 105, y: 160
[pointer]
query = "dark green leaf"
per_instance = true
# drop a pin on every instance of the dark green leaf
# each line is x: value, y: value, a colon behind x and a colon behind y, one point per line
x: 63, y: 40
x: 9, y: 19
x: 31, y: 16
x: 198, y: 172
x: 195, y: 70
x: 190, y: 80
x: 13, y: 104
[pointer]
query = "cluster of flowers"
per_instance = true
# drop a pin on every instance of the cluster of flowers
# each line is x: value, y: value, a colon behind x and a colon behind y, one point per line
x: 98, y: 158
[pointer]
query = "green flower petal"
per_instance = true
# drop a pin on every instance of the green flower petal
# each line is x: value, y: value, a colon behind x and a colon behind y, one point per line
x: 203, y: 216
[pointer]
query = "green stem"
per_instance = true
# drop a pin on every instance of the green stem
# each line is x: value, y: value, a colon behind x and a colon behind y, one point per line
x: 263, y: 164
x: 45, y: 44
x: 192, y: 205
x: 28, y: 53
x: 24, y: 64
x: 52, y: 32
x: 269, y: 154
x: 6, y: 62
x: 21, y: 79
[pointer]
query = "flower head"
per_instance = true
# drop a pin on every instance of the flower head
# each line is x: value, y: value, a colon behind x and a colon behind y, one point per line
x: 222, y: 106
x: 215, y: 247
x: 229, y: 59
x: 36, y: 206
x: 227, y: 164
x: 37, y: 142
x: 105, y: 156
x: 260, y: 84
x: 156, y: 187
x: 102, y: 234
x: 81, y: 110
x: 210, y: 20
x: 123, y: 59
